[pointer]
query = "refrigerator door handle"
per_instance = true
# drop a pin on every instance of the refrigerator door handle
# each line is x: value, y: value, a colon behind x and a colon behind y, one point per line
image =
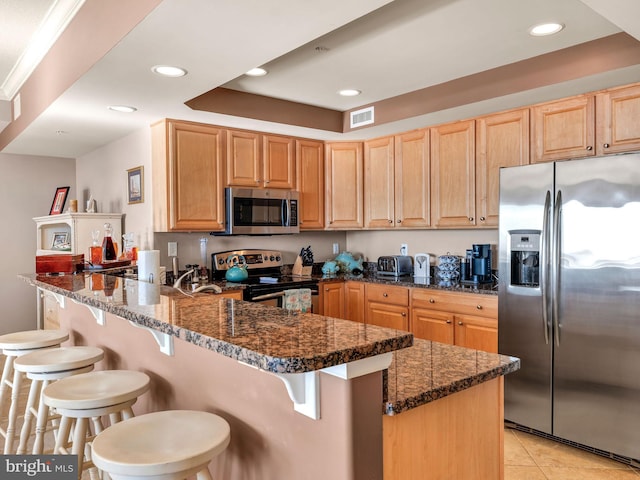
x: 544, y: 264
x: 555, y: 266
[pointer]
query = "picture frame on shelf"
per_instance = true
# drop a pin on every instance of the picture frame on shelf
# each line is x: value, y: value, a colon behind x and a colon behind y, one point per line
x: 59, y: 199
x: 60, y: 241
x: 135, y: 185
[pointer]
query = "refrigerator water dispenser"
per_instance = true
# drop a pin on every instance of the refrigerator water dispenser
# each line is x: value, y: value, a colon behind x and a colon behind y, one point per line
x: 525, y: 258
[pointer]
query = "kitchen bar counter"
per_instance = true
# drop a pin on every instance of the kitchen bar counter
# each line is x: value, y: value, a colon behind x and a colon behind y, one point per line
x: 268, y: 338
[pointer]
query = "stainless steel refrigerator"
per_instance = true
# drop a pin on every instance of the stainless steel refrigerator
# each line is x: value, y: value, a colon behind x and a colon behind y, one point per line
x: 569, y: 299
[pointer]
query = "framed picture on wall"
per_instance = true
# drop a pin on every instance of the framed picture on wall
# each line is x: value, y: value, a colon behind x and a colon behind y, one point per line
x: 59, y: 200
x: 135, y: 185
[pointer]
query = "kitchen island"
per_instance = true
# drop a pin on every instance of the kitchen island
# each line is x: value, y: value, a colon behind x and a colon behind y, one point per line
x: 232, y: 358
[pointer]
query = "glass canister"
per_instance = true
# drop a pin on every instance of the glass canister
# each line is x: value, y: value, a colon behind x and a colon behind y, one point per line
x: 108, y: 248
x: 95, y: 250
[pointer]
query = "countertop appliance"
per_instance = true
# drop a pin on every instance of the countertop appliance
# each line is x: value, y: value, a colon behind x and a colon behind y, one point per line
x: 265, y: 282
x: 260, y: 211
x: 395, y: 265
x: 422, y: 265
x: 569, y: 299
x: 476, y: 267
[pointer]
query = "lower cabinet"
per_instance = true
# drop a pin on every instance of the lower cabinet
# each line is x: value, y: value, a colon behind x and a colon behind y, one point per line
x: 354, y: 301
x: 387, y: 306
x: 332, y: 299
x: 467, y: 320
x: 234, y: 294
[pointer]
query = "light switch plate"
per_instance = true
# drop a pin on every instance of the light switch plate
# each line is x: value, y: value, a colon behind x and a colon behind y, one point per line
x: 172, y: 249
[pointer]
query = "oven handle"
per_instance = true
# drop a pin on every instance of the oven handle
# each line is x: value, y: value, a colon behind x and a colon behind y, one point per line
x: 275, y: 295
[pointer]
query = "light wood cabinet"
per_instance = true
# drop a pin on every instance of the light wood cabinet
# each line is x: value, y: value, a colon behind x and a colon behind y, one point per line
x: 243, y: 156
x: 233, y: 294
x: 453, y: 175
x: 188, y: 173
x: 617, y: 125
x: 343, y: 186
x: 379, y: 211
x: 467, y: 320
x: 260, y: 161
x: 412, y: 179
x: 502, y: 140
x: 387, y: 306
x: 310, y: 183
x: 278, y: 166
x: 354, y: 301
x: 563, y: 129
x: 397, y: 181
x: 332, y: 300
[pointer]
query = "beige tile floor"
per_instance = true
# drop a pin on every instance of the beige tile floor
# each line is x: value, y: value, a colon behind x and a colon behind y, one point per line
x: 529, y: 457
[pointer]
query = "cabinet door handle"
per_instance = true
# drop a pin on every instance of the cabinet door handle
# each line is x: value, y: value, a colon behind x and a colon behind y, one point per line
x: 399, y: 221
x: 482, y: 219
x: 431, y: 300
x: 471, y: 219
x: 390, y: 221
x: 404, y: 314
x: 479, y: 307
x: 385, y: 294
x: 448, y: 322
x: 589, y: 147
x: 459, y: 323
x: 606, y: 145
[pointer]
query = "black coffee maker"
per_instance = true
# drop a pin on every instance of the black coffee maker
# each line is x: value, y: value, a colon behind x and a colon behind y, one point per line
x: 476, y: 266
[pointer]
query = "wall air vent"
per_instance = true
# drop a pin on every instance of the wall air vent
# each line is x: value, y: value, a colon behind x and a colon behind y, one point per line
x: 361, y: 117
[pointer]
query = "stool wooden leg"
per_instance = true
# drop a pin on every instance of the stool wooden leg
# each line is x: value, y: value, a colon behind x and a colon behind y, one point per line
x: 4, y: 382
x: 63, y: 436
x: 41, y: 423
x: 79, y: 440
x: 13, y: 413
x: 25, y: 432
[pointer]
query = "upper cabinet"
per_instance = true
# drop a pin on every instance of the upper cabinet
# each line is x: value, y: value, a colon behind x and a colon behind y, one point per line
x: 502, y: 140
x: 343, y: 185
x: 310, y: 183
x: 563, y: 129
x: 617, y: 124
x: 256, y: 160
x: 397, y: 181
x: 188, y: 173
x: 453, y: 174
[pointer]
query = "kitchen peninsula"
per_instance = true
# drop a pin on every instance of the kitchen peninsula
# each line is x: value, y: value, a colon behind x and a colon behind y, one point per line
x: 230, y: 357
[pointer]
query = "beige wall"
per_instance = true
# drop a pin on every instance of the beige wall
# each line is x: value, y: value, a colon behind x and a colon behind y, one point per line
x: 27, y: 187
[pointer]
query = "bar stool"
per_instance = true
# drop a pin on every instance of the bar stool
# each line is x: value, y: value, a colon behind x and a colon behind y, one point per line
x: 42, y: 367
x: 14, y: 345
x: 168, y: 445
x: 91, y: 396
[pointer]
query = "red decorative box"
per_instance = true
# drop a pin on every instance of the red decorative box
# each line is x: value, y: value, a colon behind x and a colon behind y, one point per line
x: 62, y: 263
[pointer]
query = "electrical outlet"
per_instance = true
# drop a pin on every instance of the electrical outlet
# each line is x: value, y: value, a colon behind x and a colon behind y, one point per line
x: 404, y: 249
x: 336, y: 248
x: 172, y: 249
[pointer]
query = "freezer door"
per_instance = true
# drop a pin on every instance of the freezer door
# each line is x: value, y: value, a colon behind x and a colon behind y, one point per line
x: 597, y: 352
x: 523, y: 330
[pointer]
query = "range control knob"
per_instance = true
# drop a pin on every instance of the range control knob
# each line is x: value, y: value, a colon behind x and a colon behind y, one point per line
x: 278, y: 258
x: 272, y: 258
x: 220, y: 261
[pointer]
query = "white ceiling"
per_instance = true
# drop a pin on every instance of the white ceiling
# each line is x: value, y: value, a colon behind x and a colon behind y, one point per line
x: 383, y: 48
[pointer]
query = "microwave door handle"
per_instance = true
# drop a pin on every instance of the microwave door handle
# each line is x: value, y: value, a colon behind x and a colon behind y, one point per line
x: 286, y: 214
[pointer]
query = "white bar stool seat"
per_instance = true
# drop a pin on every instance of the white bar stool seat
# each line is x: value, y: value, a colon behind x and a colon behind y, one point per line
x: 168, y: 445
x: 92, y: 395
x: 14, y: 345
x: 42, y: 367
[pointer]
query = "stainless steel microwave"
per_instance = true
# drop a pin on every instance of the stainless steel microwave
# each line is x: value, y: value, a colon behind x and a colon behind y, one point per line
x: 255, y: 211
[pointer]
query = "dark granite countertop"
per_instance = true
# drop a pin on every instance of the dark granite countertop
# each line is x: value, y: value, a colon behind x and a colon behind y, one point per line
x: 411, y: 282
x: 265, y: 337
x: 429, y: 370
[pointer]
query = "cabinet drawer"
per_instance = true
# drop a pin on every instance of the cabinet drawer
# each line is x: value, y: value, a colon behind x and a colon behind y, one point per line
x: 387, y: 294
x: 459, y: 303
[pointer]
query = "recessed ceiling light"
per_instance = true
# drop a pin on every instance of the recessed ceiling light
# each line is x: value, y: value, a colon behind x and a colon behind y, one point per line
x: 349, y: 92
x: 257, y: 72
x: 169, y: 71
x: 122, y: 108
x: 545, y: 29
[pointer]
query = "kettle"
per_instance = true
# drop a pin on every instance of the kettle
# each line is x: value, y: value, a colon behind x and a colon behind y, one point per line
x: 422, y: 265
x: 237, y: 268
